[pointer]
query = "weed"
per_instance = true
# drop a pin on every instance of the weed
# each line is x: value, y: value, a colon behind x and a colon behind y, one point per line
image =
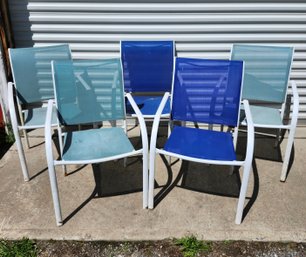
x: 227, y: 242
x: 9, y: 137
x: 22, y: 248
x: 191, y: 246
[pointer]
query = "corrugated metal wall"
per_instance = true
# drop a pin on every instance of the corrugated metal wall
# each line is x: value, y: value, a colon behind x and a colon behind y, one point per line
x: 200, y: 28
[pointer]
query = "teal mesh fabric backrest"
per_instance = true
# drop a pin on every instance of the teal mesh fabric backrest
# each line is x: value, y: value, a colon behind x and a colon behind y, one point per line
x: 266, y: 71
x: 32, y: 71
x: 88, y: 91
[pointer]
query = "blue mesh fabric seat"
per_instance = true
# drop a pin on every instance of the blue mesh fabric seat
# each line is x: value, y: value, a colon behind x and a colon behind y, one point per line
x: 267, y: 72
x: 31, y: 68
x: 147, y: 72
x: 86, y: 93
x: 208, y: 93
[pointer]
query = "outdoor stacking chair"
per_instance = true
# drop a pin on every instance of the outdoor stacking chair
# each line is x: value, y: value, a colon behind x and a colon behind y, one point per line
x: 147, y: 73
x: 205, y: 92
x: 88, y: 93
x: 31, y: 68
x: 267, y: 71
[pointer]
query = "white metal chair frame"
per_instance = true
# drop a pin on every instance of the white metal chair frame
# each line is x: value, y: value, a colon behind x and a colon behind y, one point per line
x: 52, y: 163
x: 246, y: 163
x: 291, y: 127
x: 17, y: 127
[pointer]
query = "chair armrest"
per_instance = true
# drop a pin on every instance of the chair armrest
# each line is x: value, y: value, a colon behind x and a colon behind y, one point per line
x: 48, y: 135
x: 143, y: 128
x: 250, y: 133
x: 11, y: 105
x: 296, y: 104
x: 156, y: 121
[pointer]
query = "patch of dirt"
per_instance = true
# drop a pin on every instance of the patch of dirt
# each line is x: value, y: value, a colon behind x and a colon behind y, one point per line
x: 167, y: 248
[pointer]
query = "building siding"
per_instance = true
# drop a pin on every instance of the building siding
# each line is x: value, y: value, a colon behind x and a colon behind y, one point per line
x: 200, y: 28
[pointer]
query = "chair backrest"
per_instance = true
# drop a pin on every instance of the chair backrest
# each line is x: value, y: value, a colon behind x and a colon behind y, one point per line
x: 88, y: 91
x: 32, y: 74
x: 207, y: 91
x: 266, y: 72
x: 147, y: 65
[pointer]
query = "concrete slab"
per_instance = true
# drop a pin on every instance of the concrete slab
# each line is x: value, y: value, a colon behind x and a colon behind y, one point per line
x: 191, y: 199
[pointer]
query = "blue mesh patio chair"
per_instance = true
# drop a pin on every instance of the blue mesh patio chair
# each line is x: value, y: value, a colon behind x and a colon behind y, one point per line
x: 31, y: 68
x: 267, y: 72
x: 89, y: 92
x: 206, y: 92
x: 147, y: 73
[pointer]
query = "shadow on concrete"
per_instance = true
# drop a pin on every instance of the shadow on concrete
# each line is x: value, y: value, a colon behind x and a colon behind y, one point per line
x: 266, y: 146
x: 114, y: 178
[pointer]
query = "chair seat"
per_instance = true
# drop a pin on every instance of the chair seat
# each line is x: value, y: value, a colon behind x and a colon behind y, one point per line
x: 148, y: 105
x: 37, y: 117
x: 203, y: 144
x: 265, y: 116
x: 95, y: 144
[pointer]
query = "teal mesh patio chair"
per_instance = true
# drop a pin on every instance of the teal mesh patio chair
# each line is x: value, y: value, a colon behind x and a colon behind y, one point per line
x: 205, y: 92
x: 31, y: 68
x: 86, y: 93
x: 266, y: 76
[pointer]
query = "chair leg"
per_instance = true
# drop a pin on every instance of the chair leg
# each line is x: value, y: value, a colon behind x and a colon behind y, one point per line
x: 231, y: 171
x: 169, y: 132
x: 55, y: 195
x: 25, y: 134
x: 21, y: 155
x: 243, y: 191
x: 64, y: 170
x: 145, y: 178
x: 287, y: 154
x: 276, y: 143
x: 151, y: 179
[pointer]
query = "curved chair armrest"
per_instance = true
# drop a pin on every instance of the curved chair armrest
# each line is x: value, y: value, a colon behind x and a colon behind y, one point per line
x: 250, y: 131
x: 296, y: 104
x: 48, y: 135
x: 156, y: 121
x: 11, y: 105
x: 143, y: 128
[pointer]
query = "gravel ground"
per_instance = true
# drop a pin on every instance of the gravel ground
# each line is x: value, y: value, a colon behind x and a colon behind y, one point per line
x: 167, y: 248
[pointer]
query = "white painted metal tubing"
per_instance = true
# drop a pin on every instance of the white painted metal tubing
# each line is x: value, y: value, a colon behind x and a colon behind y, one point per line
x: 294, y: 118
x: 233, y: 163
x: 120, y: 156
x: 51, y: 170
x: 247, y: 162
x: 144, y: 138
x: 15, y: 127
x: 153, y: 139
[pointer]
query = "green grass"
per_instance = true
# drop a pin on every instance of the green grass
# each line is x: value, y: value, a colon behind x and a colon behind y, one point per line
x: 22, y: 248
x: 191, y: 246
x: 9, y: 137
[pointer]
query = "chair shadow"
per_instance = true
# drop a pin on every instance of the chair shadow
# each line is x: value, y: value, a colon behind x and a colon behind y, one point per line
x: 39, y: 173
x: 113, y: 179
x: 36, y: 145
x: 265, y: 148
x: 209, y: 179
